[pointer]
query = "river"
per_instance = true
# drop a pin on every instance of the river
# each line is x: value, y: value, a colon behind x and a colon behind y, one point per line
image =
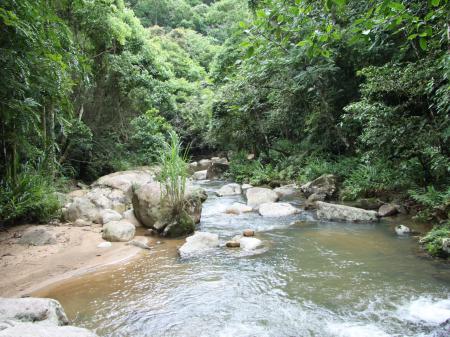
x: 311, y: 279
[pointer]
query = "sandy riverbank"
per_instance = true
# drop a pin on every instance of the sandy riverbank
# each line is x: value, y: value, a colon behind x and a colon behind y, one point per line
x: 25, y: 268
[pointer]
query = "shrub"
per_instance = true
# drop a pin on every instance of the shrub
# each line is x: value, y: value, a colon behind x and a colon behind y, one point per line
x: 29, y: 197
x: 433, y: 240
x: 435, y: 203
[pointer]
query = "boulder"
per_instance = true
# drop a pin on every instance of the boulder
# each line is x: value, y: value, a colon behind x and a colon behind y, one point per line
x: 155, y: 212
x: 37, y: 237
x: 310, y: 203
x: 402, y: 230
x: 327, y: 211
x: 388, y: 210
x: 233, y: 244
x: 34, y: 310
x: 216, y: 170
x: 198, y: 243
x: 36, y: 330
x: 199, y: 175
x: 277, y: 209
x: 125, y: 180
x: 81, y: 223
x: 82, y: 208
x: 109, y: 215
x: 130, y: 217
x: 229, y: 189
x: 118, y: 231
x: 204, y: 164
x: 248, y: 232
x: 287, y: 191
x: 238, y: 208
x: 369, y: 203
x: 325, y: 184
x: 77, y: 193
x: 147, y: 204
x: 247, y: 243
x: 260, y: 195
x: 246, y: 187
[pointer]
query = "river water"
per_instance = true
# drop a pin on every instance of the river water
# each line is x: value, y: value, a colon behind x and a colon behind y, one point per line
x: 311, y: 279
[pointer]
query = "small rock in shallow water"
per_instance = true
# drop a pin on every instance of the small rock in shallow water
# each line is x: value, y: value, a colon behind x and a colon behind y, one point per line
x: 138, y: 244
x: 250, y: 243
x: 233, y: 244
x: 402, y: 230
x: 238, y: 208
x: 249, y: 232
x: 105, y: 244
x: 388, y: 210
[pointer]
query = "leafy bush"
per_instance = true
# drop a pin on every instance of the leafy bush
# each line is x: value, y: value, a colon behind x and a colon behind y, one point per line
x: 30, y: 197
x: 251, y: 171
x: 149, y: 132
x: 369, y: 180
x: 436, y: 204
x: 433, y: 240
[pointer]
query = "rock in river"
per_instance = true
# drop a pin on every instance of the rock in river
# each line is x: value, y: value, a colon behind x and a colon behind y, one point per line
x: 199, y: 242
x: 402, y: 230
x: 199, y: 175
x: 247, y: 243
x: 229, y: 189
x: 118, y: 231
x: 260, y: 195
x: 238, y: 208
x: 109, y: 215
x: 327, y: 211
x: 35, y: 330
x: 277, y: 209
x: 388, y: 210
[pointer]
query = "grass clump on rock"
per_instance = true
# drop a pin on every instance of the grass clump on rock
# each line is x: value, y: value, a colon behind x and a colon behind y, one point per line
x: 173, y: 177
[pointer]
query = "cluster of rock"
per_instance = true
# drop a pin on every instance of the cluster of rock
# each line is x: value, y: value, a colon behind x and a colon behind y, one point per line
x: 201, y: 242
x: 36, y: 317
x: 125, y: 200
x: 209, y: 168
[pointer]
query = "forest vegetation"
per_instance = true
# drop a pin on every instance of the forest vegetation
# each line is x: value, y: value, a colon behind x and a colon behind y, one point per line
x: 359, y: 89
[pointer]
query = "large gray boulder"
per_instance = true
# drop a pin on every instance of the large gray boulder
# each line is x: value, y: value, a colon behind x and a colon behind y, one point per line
x: 35, y: 310
x: 199, y: 175
x: 238, y: 208
x: 229, y: 189
x: 153, y: 210
x: 34, y: 330
x: 327, y: 211
x: 82, y: 208
x: 37, y: 237
x: 198, y: 243
x: 125, y: 180
x: 131, y: 217
x: 277, y: 209
x: 203, y: 164
x: 260, y: 195
x: 118, y: 231
x: 325, y: 184
x: 287, y: 192
x: 109, y: 215
x: 388, y: 210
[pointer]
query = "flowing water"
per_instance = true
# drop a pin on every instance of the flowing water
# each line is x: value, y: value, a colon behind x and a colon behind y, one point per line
x: 311, y: 279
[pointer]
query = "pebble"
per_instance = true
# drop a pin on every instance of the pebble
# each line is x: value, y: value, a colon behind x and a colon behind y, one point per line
x: 104, y: 245
x: 233, y: 244
x: 249, y: 232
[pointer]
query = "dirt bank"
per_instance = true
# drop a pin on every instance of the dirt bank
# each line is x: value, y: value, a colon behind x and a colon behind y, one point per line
x: 25, y: 268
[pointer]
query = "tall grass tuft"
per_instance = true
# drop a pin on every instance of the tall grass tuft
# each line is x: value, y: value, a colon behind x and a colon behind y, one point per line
x: 174, y: 173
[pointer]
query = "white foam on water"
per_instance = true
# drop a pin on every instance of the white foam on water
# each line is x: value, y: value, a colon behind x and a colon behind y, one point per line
x: 354, y: 329
x: 425, y: 310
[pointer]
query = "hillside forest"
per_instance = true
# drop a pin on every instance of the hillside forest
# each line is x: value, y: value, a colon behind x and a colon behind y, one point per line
x: 288, y: 90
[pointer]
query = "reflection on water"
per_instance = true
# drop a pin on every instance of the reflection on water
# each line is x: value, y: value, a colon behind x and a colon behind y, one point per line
x: 314, y: 279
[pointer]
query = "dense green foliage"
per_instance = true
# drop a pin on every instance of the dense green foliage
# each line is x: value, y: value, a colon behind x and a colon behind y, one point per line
x: 359, y: 89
